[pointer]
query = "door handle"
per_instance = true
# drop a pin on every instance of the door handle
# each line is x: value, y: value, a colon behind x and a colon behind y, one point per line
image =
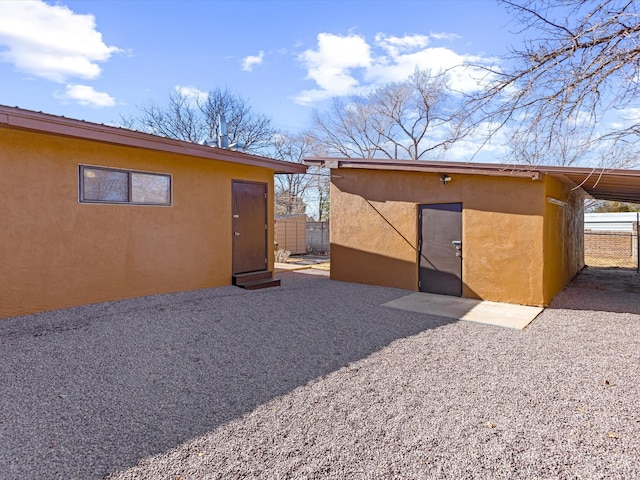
x: 458, y: 245
x: 237, y: 234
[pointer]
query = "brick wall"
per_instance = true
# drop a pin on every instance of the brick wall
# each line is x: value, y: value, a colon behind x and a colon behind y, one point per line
x: 610, y: 249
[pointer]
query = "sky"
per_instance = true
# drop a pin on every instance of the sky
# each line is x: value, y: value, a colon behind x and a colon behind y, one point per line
x: 102, y: 60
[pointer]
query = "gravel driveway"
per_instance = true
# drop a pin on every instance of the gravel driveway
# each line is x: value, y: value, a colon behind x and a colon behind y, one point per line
x: 316, y: 380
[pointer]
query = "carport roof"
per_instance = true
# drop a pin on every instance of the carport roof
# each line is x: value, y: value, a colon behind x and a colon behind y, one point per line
x: 20, y: 119
x: 599, y: 183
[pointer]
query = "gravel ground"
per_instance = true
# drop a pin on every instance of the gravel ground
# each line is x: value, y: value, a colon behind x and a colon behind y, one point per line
x: 316, y: 380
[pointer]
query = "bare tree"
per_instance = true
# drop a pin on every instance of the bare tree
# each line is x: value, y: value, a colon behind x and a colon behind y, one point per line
x: 196, y: 119
x: 180, y: 119
x: 291, y: 188
x: 321, y: 186
x: 300, y: 193
x: 605, y: 206
x: 252, y: 130
x: 345, y: 129
x: 580, y: 63
x: 571, y: 149
x: 398, y: 120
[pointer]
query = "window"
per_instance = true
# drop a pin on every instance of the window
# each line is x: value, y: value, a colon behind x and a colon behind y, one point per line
x: 109, y: 185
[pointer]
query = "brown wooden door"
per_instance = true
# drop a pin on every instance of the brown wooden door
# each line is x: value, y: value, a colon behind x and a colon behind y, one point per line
x: 441, y: 248
x: 249, y: 226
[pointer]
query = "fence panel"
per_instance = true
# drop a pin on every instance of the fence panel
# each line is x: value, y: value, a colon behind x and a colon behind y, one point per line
x: 290, y: 234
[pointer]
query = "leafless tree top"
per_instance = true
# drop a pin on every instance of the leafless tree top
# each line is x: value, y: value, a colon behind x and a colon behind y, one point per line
x: 197, y: 119
x: 409, y: 119
x: 581, y: 61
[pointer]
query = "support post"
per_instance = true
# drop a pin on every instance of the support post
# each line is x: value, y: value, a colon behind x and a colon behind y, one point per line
x: 637, y: 229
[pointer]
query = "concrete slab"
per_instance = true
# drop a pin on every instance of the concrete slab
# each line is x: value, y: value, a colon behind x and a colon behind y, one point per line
x: 279, y: 267
x: 282, y: 267
x: 480, y: 311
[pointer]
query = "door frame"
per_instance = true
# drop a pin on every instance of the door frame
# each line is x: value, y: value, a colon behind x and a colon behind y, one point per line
x: 419, y: 243
x: 233, y: 226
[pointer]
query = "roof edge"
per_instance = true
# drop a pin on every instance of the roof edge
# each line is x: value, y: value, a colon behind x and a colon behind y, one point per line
x: 594, y: 182
x: 17, y: 118
x: 490, y: 169
x: 337, y: 162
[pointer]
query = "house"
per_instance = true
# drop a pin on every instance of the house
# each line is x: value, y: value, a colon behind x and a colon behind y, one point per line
x: 486, y: 231
x: 92, y: 213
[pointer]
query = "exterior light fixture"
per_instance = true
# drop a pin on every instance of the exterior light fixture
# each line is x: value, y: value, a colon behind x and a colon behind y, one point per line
x: 445, y: 179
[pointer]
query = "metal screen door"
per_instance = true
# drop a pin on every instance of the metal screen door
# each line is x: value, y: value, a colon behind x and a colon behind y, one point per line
x: 249, y: 227
x: 440, y: 248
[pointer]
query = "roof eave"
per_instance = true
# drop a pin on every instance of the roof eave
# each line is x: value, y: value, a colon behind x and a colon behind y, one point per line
x: 495, y: 170
x: 50, y: 124
x: 597, y: 183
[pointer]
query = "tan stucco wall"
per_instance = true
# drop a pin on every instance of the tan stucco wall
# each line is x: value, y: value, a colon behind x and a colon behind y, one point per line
x: 374, y: 232
x: 56, y: 252
x: 563, y: 237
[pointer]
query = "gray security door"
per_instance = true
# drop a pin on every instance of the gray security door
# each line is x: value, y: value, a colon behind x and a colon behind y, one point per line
x: 249, y: 226
x: 440, y: 247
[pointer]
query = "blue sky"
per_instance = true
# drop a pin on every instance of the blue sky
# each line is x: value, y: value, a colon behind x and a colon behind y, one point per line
x: 98, y: 60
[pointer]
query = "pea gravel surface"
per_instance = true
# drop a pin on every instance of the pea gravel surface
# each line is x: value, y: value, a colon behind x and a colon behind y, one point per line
x: 315, y: 379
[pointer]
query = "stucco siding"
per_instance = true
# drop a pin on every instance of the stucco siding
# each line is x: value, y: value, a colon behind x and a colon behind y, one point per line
x: 564, y: 236
x: 374, y: 230
x: 373, y: 242
x: 56, y: 252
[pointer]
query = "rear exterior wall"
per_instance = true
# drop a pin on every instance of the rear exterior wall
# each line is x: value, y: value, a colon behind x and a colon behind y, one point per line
x: 56, y: 252
x: 374, y: 231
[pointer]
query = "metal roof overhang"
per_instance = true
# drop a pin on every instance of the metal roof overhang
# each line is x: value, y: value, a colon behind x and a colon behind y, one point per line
x: 598, y: 183
x: 17, y: 118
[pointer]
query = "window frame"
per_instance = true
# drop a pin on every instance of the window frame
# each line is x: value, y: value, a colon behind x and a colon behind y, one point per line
x: 129, y: 173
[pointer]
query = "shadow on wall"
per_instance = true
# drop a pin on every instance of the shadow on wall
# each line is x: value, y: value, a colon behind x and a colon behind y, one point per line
x: 358, y: 266
x: 94, y: 389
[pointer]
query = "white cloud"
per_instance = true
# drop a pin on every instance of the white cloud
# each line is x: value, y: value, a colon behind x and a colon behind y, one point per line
x: 396, y: 45
x: 473, y: 148
x: 330, y: 66
x: 192, y: 94
x: 345, y: 65
x: 630, y: 114
x: 445, y: 36
x: 51, y: 41
x: 251, y: 61
x: 623, y: 118
x: 86, y: 95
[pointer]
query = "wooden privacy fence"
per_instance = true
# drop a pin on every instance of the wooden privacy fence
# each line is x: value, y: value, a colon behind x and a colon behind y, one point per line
x: 298, y: 236
x: 291, y: 234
